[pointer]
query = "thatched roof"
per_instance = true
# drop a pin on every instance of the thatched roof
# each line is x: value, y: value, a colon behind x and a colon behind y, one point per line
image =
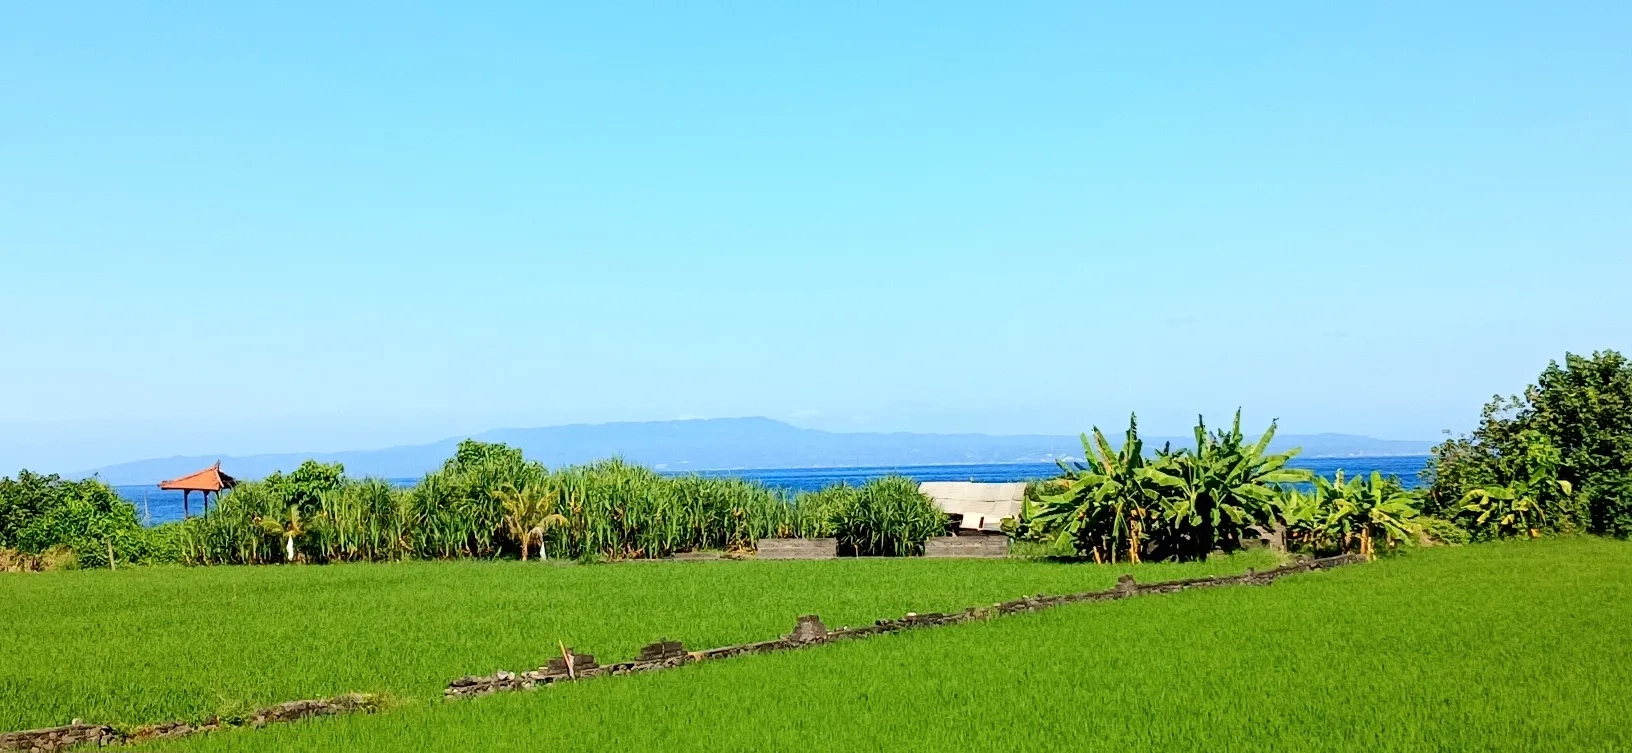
x: 983, y: 506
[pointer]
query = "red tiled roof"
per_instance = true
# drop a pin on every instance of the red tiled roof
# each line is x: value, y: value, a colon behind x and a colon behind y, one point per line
x: 208, y: 480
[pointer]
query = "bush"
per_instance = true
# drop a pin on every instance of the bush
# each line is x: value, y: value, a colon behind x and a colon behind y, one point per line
x: 1574, y: 425
x: 887, y: 517
x: 39, y: 514
x: 1444, y: 531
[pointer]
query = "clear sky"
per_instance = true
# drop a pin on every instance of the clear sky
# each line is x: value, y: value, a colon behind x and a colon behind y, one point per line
x: 283, y: 226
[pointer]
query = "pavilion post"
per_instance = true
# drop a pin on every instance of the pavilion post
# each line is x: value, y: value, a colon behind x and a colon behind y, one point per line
x: 185, y: 513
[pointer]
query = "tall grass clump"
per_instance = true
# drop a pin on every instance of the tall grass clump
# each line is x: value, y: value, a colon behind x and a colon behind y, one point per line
x: 488, y: 500
x: 887, y: 517
x: 617, y: 510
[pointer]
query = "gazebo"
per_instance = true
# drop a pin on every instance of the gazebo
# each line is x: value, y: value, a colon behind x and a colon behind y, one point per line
x: 208, y: 480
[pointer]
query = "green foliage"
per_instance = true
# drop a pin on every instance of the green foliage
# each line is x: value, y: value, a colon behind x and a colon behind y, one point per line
x: 488, y: 500
x: 39, y: 513
x: 1350, y: 515
x: 305, y: 486
x: 1222, y: 492
x: 1519, y: 507
x: 887, y: 517
x: 1183, y: 504
x: 1440, y: 530
x: 1573, y: 425
x: 529, y: 513
x: 1108, y: 501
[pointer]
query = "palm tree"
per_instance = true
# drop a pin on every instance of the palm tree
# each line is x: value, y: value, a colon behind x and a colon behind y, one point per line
x: 290, y: 529
x: 528, y: 512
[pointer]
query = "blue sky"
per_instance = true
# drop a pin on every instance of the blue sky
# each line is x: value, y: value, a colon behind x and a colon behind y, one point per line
x: 394, y: 224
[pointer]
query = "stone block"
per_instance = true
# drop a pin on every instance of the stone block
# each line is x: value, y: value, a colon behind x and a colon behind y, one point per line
x: 581, y: 663
x: 661, y: 650
x: 809, y: 630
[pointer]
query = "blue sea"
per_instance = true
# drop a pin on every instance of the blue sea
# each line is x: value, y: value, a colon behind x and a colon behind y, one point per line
x: 154, y: 506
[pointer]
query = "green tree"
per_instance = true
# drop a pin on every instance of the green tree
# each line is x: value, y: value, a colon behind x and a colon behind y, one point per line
x: 305, y: 486
x: 40, y: 512
x: 1583, y: 409
x: 1520, y: 506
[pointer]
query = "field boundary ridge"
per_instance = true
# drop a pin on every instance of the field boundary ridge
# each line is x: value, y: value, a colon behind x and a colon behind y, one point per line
x: 572, y: 666
x: 101, y: 735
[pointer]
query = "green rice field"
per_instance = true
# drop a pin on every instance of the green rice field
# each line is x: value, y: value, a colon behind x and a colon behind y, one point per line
x: 155, y: 644
x: 1519, y: 646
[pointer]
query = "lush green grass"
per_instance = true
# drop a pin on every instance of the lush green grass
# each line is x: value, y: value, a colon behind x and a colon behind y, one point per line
x: 145, y: 645
x: 1516, y: 646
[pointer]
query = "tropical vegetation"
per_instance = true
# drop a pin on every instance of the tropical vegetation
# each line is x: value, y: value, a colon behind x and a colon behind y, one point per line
x: 1556, y: 458
x: 46, y: 520
x: 1223, y: 494
x: 488, y: 500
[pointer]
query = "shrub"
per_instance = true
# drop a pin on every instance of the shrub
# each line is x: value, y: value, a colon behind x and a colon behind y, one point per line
x: 1574, y: 425
x: 40, y: 513
x: 1444, y: 531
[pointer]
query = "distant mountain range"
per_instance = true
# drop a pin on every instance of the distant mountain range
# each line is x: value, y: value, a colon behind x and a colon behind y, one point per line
x: 719, y: 443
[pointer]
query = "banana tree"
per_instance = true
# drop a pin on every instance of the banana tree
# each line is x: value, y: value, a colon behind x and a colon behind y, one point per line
x: 1519, y: 506
x: 1364, y: 510
x: 289, y: 528
x: 1107, y: 501
x: 1304, y: 518
x: 1513, y: 508
x: 1223, y: 487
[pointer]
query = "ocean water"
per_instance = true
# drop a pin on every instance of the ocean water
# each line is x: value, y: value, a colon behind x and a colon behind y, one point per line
x: 154, y: 506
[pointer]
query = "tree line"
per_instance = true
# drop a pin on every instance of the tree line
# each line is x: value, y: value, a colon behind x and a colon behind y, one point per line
x: 1556, y: 459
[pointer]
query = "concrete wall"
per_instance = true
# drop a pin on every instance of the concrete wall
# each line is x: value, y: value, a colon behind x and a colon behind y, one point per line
x: 798, y: 549
x: 967, y: 546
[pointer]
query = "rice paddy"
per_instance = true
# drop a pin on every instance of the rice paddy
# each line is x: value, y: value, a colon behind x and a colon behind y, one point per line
x: 155, y: 644
x: 1510, y: 646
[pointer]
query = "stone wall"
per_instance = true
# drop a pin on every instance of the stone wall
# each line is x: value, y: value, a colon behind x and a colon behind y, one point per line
x: 810, y: 631
x: 78, y: 733
x: 59, y: 738
x: 798, y: 549
x: 967, y: 546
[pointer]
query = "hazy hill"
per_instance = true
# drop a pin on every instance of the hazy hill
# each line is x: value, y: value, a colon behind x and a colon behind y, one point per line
x: 715, y: 443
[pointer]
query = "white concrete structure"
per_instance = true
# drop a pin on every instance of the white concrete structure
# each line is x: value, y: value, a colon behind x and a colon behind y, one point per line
x: 983, y: 506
